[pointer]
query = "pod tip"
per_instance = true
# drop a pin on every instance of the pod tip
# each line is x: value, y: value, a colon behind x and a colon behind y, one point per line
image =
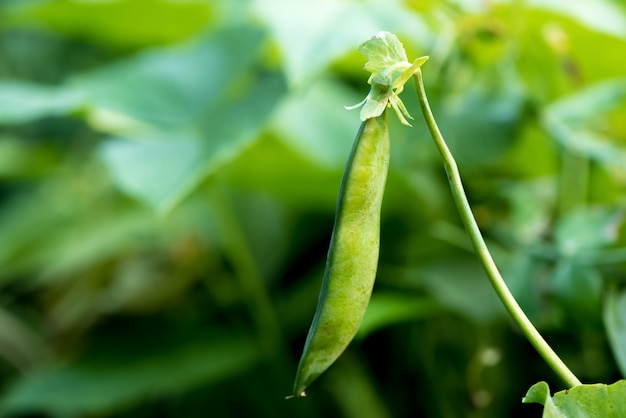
x: 300, y: 395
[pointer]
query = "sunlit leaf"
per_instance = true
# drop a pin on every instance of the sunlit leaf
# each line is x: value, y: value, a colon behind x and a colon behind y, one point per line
x: 585, y: 401
x: 602, y: 15
x: 330, y: 30
x: 125, y: 23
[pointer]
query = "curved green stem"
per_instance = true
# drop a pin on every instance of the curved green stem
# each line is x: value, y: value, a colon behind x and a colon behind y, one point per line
x: 465, y: 211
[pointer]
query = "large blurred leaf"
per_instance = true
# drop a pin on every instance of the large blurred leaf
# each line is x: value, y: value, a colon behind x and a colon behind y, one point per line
x: 615, y: 322
x: 588, y: 229
x: 314, y: 122
x: 173, y: 87
x: 157, y: 172
x: 331, y: 29
x: 192, y: 123
x: 570, y: 121
x: 480, y: 123
x: 161, y: 171
x: 126, y: 23
x: 22, y: 102
x: 590, y: 102
x: 585, y: 401
x: 561, y: 54
x: 601, y: 15
x: 137, y: 365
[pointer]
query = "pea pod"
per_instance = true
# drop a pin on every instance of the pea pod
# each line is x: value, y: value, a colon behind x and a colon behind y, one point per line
x: 353, y: 254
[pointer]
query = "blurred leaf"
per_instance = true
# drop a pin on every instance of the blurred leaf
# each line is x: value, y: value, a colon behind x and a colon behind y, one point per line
x: 198, y: 126
x: 177, y: 86
x: 601, y: 15
x: 480, y: 123
x: 557, y: 51
x: 124, y: 23
x: 388, y: 309
x: 589, y: 102
x: 331, y: 29
x: 585, y: 142
x: 185, y: 92
x: 615, y: 323
x: 585, y: 401
x: 531, y: 206
x: 587, y: 229
x: 272, y: 166
x: 579, y: 287
x: 137, y: 367
x: 314, y: 122
x: 161, y: 171
x: 22, y: 102
x: 462, y: 287
x: 570, y: 120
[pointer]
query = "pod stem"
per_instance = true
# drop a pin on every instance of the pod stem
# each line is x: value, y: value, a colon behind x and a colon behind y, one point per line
x: 465, y: 211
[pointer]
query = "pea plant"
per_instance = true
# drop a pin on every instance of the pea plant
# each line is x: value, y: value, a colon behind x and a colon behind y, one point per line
x: 353, y: 255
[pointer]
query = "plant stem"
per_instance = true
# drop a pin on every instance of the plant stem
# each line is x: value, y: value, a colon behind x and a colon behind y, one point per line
x: 465, y: 211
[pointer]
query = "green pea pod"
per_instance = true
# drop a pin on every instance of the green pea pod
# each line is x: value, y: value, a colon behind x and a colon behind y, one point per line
x: 353, y: 254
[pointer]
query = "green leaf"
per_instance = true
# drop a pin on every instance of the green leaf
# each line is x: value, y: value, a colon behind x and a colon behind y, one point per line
x: 589, y: 102
x: 602, y: 15
x: 580, y: 287
x: 388, y: 309
x: 22, y: 102
x: 174, y: 87
x: 588, y: 229
x: 584, y: 401
x: 585, y: 142
x: 313, y: 122
x: 615, y: 321
x: 331, y: 29
x: 116, y: 23
x: 161, y: 171
x: 576, y: 122
x: 157, y: 172
x: 187, y: 121
x: 481, y: 123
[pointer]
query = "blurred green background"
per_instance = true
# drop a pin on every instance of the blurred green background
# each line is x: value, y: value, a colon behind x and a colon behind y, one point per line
x: 168, y: 177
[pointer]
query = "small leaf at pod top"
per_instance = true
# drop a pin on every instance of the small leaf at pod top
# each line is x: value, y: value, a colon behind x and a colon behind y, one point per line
x: 390, y: 70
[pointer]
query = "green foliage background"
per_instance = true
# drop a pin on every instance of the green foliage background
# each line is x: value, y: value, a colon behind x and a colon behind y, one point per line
x: 168, y: 176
